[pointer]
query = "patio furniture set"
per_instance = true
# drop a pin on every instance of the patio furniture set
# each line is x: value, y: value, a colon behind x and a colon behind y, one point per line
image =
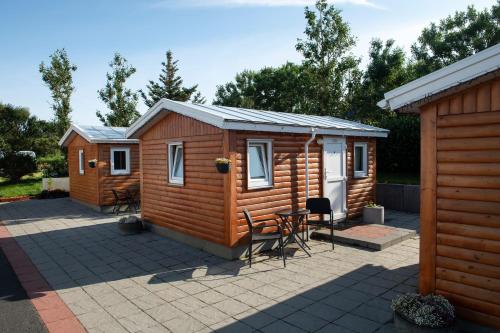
x: 294, y: 222
x: 129, y: 197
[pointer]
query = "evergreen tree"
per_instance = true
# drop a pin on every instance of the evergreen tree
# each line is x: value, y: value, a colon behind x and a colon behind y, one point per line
x: 58, y: 76
x: 170, y: 86
x: 121, y: 101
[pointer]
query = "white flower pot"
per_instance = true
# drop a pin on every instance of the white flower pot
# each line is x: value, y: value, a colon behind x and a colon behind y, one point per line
x: 373, y: 215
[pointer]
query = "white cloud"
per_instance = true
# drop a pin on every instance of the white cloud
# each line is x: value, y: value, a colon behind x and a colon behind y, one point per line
x: 258, y: 3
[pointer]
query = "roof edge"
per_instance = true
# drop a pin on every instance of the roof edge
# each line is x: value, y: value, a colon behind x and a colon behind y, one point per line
x: 74, y: 128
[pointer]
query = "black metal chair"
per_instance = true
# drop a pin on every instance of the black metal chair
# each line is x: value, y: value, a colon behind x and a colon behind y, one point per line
x: 321, y: 207
x: 121, y: 198
x: 255, y: 236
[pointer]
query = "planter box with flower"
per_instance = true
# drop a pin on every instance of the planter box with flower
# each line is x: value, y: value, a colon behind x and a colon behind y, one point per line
x: 55, y: 173
x: 415, y: 313
x: 223, y: 165
x: 373, y: 214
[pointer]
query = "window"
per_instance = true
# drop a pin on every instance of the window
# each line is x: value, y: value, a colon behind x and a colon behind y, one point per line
x: 175, y: 163
x: 259, y: 163
x: 81, y: 162
x: 120, y: 161
x: 360, y: 160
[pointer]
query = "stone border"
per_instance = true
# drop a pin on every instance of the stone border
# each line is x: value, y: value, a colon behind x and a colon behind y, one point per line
x: 55, y: 314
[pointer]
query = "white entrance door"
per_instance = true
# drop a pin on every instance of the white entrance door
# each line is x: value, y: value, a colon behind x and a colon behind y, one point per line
x: 334, y: 174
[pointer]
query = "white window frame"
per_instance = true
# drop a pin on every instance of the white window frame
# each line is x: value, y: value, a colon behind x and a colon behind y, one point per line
x: 127, y: 161
x: 81, y: 162
x: 269, y: 173
x: 364, y: 172
x: 171, y: 163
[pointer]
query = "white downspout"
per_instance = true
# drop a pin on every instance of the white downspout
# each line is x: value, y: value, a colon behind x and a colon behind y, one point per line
x: 306, y: 148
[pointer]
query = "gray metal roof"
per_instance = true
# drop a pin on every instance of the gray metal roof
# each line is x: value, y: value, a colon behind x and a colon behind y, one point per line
x: 97, y: 134
x: 255, y: 120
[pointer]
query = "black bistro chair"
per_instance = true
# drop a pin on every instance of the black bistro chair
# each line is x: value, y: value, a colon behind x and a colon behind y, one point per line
x: 256, y: 236
x: 321, y: 207
x: 121, y: 198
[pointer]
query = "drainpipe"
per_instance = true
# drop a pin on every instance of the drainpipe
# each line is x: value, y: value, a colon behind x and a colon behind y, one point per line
x: 306, y: 148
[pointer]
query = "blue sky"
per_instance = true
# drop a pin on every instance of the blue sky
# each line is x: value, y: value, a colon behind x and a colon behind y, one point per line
x: 213, y: 40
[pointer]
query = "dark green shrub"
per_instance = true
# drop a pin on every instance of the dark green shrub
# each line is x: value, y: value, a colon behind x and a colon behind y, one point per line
x: 16, y: 165
x: 53, y: 166
x: 400, y: 152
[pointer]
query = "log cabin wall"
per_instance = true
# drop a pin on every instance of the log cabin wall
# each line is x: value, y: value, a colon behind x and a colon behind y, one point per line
x: 288, y: 189
x: 361, y: 191
x: 197, y: 207
x: 83, y: 187
x: 460, y: 198
x: 107, y: 182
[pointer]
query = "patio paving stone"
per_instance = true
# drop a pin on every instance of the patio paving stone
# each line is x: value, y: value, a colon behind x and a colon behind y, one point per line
x: 149, y: 283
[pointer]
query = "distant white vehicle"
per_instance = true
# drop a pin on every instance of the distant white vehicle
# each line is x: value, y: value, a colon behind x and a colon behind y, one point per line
x: 27, y: 153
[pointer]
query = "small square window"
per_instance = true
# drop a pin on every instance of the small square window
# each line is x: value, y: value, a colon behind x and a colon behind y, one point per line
x: 81, y: 162
x: 175, y: 163
x: 259, y: 163
x: 360, y: 159
x: 120, y: 161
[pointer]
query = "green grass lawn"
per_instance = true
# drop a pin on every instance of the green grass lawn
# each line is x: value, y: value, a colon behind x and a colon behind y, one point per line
x: 28, y: 185
x: 398, y: 178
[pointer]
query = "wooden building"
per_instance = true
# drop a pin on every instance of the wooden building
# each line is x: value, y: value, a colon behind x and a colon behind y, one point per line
x: 459, y: 107
x: 116, y: 163
x: 185, y: 197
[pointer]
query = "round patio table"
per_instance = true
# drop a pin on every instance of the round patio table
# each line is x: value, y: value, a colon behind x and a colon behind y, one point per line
x: 292, y: 219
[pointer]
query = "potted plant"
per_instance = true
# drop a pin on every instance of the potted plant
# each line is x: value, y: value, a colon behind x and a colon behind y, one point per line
x: 415, y: 313
x: 373, y: 213
x: 223, y: 165
x: 92, y: 163
x: 130, y: 225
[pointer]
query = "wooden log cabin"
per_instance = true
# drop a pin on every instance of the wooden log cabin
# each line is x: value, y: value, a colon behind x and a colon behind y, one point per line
x: 186, y: 198
x: 459, y: 108
x: 116, y: 167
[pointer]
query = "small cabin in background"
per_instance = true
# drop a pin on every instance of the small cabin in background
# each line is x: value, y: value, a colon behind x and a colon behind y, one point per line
x: 459, y: 108
x: 185, y: 197
x: 100, y: 159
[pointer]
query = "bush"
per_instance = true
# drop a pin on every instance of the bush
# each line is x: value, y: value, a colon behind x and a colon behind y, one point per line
x: 16, y: 165
x: 400, y: 151
x: 432, y: 311
x: 53, y: 166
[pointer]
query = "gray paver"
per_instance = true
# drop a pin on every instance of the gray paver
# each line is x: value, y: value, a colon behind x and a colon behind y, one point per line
x: 149, y: 283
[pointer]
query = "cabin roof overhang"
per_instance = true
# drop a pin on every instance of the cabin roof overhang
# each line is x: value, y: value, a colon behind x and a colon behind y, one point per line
x: 83, y: 131
x: 229, y: 118
x: 480, y: 67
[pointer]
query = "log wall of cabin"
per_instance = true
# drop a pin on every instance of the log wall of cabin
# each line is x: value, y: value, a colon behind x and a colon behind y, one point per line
x: 288, y: 190
x: 84, y: 187
x: 460, y: 236
x: 197, y: 207
x: 107, y: 181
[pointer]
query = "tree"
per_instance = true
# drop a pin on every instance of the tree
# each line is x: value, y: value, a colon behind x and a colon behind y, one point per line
x: 456, y: 37
x: 121, y: 101
x: 387, y: 69
x: 169, y: 85
x: 284, y: 88
x: 326, y: 51
x: 58, y: 76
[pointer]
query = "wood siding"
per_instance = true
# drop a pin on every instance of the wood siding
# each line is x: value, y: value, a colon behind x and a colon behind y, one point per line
x: 197, y: 207
x: 288, y: 189
x: 107, y: 182
x: 83, y: 187
x: 361, y: 191
x: 464, y: 229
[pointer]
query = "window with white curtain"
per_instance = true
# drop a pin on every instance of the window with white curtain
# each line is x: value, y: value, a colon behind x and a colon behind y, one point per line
x: 175, y: 163
x: 360, y: 159
x: 120, y: 161
x: 81, y: 162
x: 259, y: 163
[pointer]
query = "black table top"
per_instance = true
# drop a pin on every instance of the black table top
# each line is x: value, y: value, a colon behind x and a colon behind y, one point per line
x: 293, y: 212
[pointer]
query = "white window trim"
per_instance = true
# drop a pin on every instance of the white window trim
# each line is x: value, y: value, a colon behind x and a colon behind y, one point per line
x: 127, y: 161
x: 171, y: 161
x: 268, y: 182
x: 361, y: 173
x: 81, y: 162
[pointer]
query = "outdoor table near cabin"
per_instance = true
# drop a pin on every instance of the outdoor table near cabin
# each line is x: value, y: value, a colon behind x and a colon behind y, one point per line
x: 292, y: 220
